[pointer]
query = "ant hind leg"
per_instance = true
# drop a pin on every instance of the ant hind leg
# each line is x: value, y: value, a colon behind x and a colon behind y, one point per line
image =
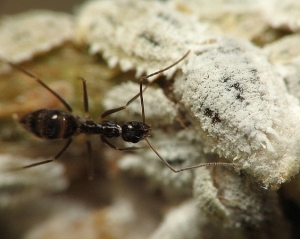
x: 49, y: 160
x: 38, y: 80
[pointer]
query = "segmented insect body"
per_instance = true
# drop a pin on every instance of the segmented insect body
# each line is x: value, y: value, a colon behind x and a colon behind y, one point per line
x: 237, y: 100
x: 58, y: 124
x: 53, y: 124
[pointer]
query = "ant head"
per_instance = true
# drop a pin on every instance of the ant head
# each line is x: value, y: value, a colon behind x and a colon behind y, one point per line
x: 134, y: 131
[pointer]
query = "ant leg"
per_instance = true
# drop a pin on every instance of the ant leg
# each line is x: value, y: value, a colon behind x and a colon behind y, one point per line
x: 49, y: 160
x: 153, y: 74
x: 91, y: 165
x: 233, y: 165
x: 104, y: 140
x: 38, y: 80
x: 85, y: 97
x: 112, y: 111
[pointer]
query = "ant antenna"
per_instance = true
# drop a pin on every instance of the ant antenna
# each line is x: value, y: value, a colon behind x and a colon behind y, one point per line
x: 154, y: 150
x: 214, y: 164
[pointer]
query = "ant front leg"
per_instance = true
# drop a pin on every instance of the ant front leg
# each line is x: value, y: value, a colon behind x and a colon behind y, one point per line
x: 91, y: 163
x: 140, y: 94
x: 85, y: 97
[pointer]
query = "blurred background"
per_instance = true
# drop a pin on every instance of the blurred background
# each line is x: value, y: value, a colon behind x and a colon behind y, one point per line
x: 15, y: 6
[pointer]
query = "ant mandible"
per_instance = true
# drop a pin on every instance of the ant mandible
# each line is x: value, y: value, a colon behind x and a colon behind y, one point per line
x: 54, y: 124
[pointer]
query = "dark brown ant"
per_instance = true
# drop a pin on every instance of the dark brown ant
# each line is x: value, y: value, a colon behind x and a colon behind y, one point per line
x: 54, y: 124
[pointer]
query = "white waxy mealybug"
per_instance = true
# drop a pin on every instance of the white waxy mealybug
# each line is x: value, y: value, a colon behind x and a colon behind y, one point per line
x: 133, y: 38
x: 242, y: 109
x: 236, y: 101
x: 282, y: 14
x: 27, y: 34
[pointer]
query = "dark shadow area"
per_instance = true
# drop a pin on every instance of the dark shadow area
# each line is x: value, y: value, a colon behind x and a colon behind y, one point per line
x: 16, y: 6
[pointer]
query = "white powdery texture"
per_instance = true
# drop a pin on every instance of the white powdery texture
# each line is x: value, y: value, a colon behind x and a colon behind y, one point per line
x: 159, y: 110
x: 27, y: 34
x: 283, y: 50
x: 181, y: 222
x: 17, y: 186
x: 291, y: 74
x: 243, y: 110
x: 207, y: 9
x: 237, y: 18
x: 282, y: 14
x: 285, y: 55
x: 206, y: 194
x: 179, y: 149
x: 232, y: 201
x: 141, y: 35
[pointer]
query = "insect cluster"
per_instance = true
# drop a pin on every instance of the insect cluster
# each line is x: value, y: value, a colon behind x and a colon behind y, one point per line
x: 233, y: 96
x: 227, y: 101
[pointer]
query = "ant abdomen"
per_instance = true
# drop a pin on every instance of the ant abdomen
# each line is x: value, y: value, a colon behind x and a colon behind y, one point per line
x: 135, y: 131
x: 50, y: 124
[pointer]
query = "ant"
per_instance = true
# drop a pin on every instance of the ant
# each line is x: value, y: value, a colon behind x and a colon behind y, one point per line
x: 54, y: 124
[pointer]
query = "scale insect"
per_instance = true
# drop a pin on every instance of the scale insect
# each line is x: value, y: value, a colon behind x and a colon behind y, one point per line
x: 54, y: 124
